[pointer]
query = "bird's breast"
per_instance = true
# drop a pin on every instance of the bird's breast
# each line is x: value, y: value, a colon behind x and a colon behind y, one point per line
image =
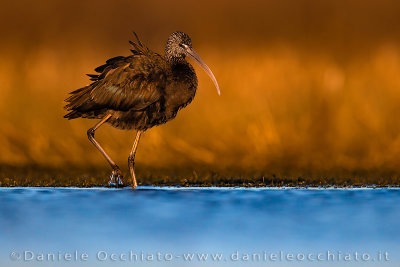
x: 181, y: 89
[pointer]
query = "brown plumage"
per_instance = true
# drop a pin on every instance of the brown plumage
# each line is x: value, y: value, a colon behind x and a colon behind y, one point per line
x: 138, y: 92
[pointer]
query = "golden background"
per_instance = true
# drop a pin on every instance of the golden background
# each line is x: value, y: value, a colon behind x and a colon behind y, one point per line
x: 306, y: 85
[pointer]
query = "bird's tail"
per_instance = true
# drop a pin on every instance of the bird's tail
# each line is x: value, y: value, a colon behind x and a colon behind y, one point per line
x: 73, y: 115
x: 76, y: 103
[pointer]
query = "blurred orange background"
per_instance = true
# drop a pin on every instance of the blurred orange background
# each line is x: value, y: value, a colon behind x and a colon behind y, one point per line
x: 305, y: 84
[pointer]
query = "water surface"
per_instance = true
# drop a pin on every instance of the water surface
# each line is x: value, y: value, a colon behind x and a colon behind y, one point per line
x: 165, y: 226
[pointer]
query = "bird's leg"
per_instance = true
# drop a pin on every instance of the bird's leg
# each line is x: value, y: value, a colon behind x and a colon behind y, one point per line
x: 131, y: 159
x: 116, y: 176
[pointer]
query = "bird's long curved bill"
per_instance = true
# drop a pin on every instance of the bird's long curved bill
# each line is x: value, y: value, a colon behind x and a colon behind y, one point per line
x: 197, y: 58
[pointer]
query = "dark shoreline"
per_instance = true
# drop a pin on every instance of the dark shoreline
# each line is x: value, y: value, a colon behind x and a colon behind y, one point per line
x: 220, y: 186
x: 196, y: 176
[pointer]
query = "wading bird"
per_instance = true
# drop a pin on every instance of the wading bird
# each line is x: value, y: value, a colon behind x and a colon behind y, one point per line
x: 138, y: 92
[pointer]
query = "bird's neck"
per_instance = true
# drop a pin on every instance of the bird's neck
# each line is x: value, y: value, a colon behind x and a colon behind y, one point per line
x: 182, y: 69
x: 173, y: 60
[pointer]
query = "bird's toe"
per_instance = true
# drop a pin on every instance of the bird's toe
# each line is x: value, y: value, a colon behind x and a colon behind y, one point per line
x: 116, y: 179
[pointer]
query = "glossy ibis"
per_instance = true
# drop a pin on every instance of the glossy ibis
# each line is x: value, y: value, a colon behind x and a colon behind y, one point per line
x: 138, y: 92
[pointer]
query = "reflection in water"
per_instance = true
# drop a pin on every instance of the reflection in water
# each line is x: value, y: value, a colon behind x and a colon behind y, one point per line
x: 171, y: 220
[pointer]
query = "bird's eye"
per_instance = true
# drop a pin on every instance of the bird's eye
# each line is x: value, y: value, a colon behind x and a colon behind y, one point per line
x: 185, y: 46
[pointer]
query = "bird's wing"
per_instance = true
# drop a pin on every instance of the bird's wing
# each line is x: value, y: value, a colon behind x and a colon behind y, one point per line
x: 123, y: 83
x: 134, y: 85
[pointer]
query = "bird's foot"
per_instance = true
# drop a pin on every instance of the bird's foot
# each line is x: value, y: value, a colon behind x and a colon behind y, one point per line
x: 116, y: 178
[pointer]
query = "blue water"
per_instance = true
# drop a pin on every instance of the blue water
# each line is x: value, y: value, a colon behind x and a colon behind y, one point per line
x: 166, y: 226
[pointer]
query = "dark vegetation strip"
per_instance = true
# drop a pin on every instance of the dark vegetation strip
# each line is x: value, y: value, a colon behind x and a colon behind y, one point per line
x: 198, y: 176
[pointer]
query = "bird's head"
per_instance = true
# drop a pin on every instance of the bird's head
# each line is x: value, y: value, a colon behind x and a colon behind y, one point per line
x: 179, y: 45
